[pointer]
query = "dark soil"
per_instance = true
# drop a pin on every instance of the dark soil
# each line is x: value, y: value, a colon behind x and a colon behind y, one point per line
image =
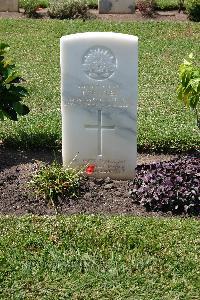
x: 104, y: 196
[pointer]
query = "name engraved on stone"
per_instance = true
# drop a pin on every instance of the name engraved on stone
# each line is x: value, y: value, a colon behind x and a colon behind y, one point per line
x: 99, y: 96
x: 100, y: 89
x: 99, y: 63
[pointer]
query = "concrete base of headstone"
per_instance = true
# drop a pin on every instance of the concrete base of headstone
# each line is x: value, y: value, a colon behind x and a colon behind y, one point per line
x: 9, y: 5
x: 116, y: 6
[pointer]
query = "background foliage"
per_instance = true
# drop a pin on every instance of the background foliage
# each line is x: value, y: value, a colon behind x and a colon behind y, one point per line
x: 67, y: 9
x: 11, y: 92
x: 162, y: 4
x: 163, y: 122
x: 193, y: 10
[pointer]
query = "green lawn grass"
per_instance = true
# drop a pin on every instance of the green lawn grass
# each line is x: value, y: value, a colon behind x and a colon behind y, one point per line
x: 94, y: 257
x: 163, y: 123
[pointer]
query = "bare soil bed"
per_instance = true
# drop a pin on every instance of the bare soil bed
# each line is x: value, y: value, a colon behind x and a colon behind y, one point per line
x: 104, y: 196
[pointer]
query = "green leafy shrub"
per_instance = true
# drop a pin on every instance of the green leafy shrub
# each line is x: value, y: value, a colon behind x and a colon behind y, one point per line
x: 181, y: 5
x: 40, y: 3
x: 68, y: 9
x: 189, y: 87
x: 193, y: 10
x: 166, y: 5
x: 93, y: 4
x: 30, y: 7
x: 146, y: 7
x: 53, y: 181
x: 11, y: 93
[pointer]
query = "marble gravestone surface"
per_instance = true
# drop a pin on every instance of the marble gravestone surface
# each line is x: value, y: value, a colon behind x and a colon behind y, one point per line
x: 99, y: 73
x: 116, y: 6
x: 9, y: 5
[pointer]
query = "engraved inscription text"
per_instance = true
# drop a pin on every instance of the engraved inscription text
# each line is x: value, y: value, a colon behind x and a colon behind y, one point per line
x: 99, y: 96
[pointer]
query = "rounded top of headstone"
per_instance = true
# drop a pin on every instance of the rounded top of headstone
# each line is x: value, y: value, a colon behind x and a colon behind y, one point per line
x: 99, y: 36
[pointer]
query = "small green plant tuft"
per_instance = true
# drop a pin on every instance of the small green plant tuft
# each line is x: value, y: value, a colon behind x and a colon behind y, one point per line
x: 193, y: 10
x: 11, y: 93
x: 68, y: 9
x: 53, y: 182
x: 189, y: 87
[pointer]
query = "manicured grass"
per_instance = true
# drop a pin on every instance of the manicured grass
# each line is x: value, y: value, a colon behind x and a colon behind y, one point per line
x: 163, y: 123
x: 93, y: 257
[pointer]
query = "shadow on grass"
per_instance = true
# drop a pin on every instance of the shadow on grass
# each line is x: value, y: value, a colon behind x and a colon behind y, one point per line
x: 33, y: 141
x: 27, y: 148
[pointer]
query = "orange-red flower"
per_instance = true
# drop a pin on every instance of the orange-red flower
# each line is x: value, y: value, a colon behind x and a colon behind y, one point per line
x: 90, y: 169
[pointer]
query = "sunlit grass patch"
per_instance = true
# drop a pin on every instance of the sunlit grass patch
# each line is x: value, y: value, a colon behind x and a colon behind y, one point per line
x: 163, y: 123
x: 94, y: 257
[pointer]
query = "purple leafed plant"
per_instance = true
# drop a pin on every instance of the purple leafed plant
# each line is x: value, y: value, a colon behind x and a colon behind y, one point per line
x: 169, y: 186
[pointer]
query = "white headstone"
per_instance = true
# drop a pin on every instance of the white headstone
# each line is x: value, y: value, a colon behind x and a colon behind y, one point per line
x: 99, y: 73
x: 9, y: 5
x: 116, y: 6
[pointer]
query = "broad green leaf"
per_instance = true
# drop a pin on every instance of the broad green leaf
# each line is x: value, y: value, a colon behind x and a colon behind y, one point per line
x: 1, y: 115
x: 19, y: 90
x: 189, y: 88
x: 10, y: 93
x: 20, y: 108
x: 8, y: 63
x: 195, y: 84
x: 10, y: 113
x: 193, y: 101
x: 18, y: 80
x: 11, y: 77
x: 4, y: 48
x: 7, y: 72
x: 8, y: 98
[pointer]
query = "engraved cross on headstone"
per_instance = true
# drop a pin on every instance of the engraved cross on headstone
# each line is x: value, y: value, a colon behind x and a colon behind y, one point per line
x: 99, y: 128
